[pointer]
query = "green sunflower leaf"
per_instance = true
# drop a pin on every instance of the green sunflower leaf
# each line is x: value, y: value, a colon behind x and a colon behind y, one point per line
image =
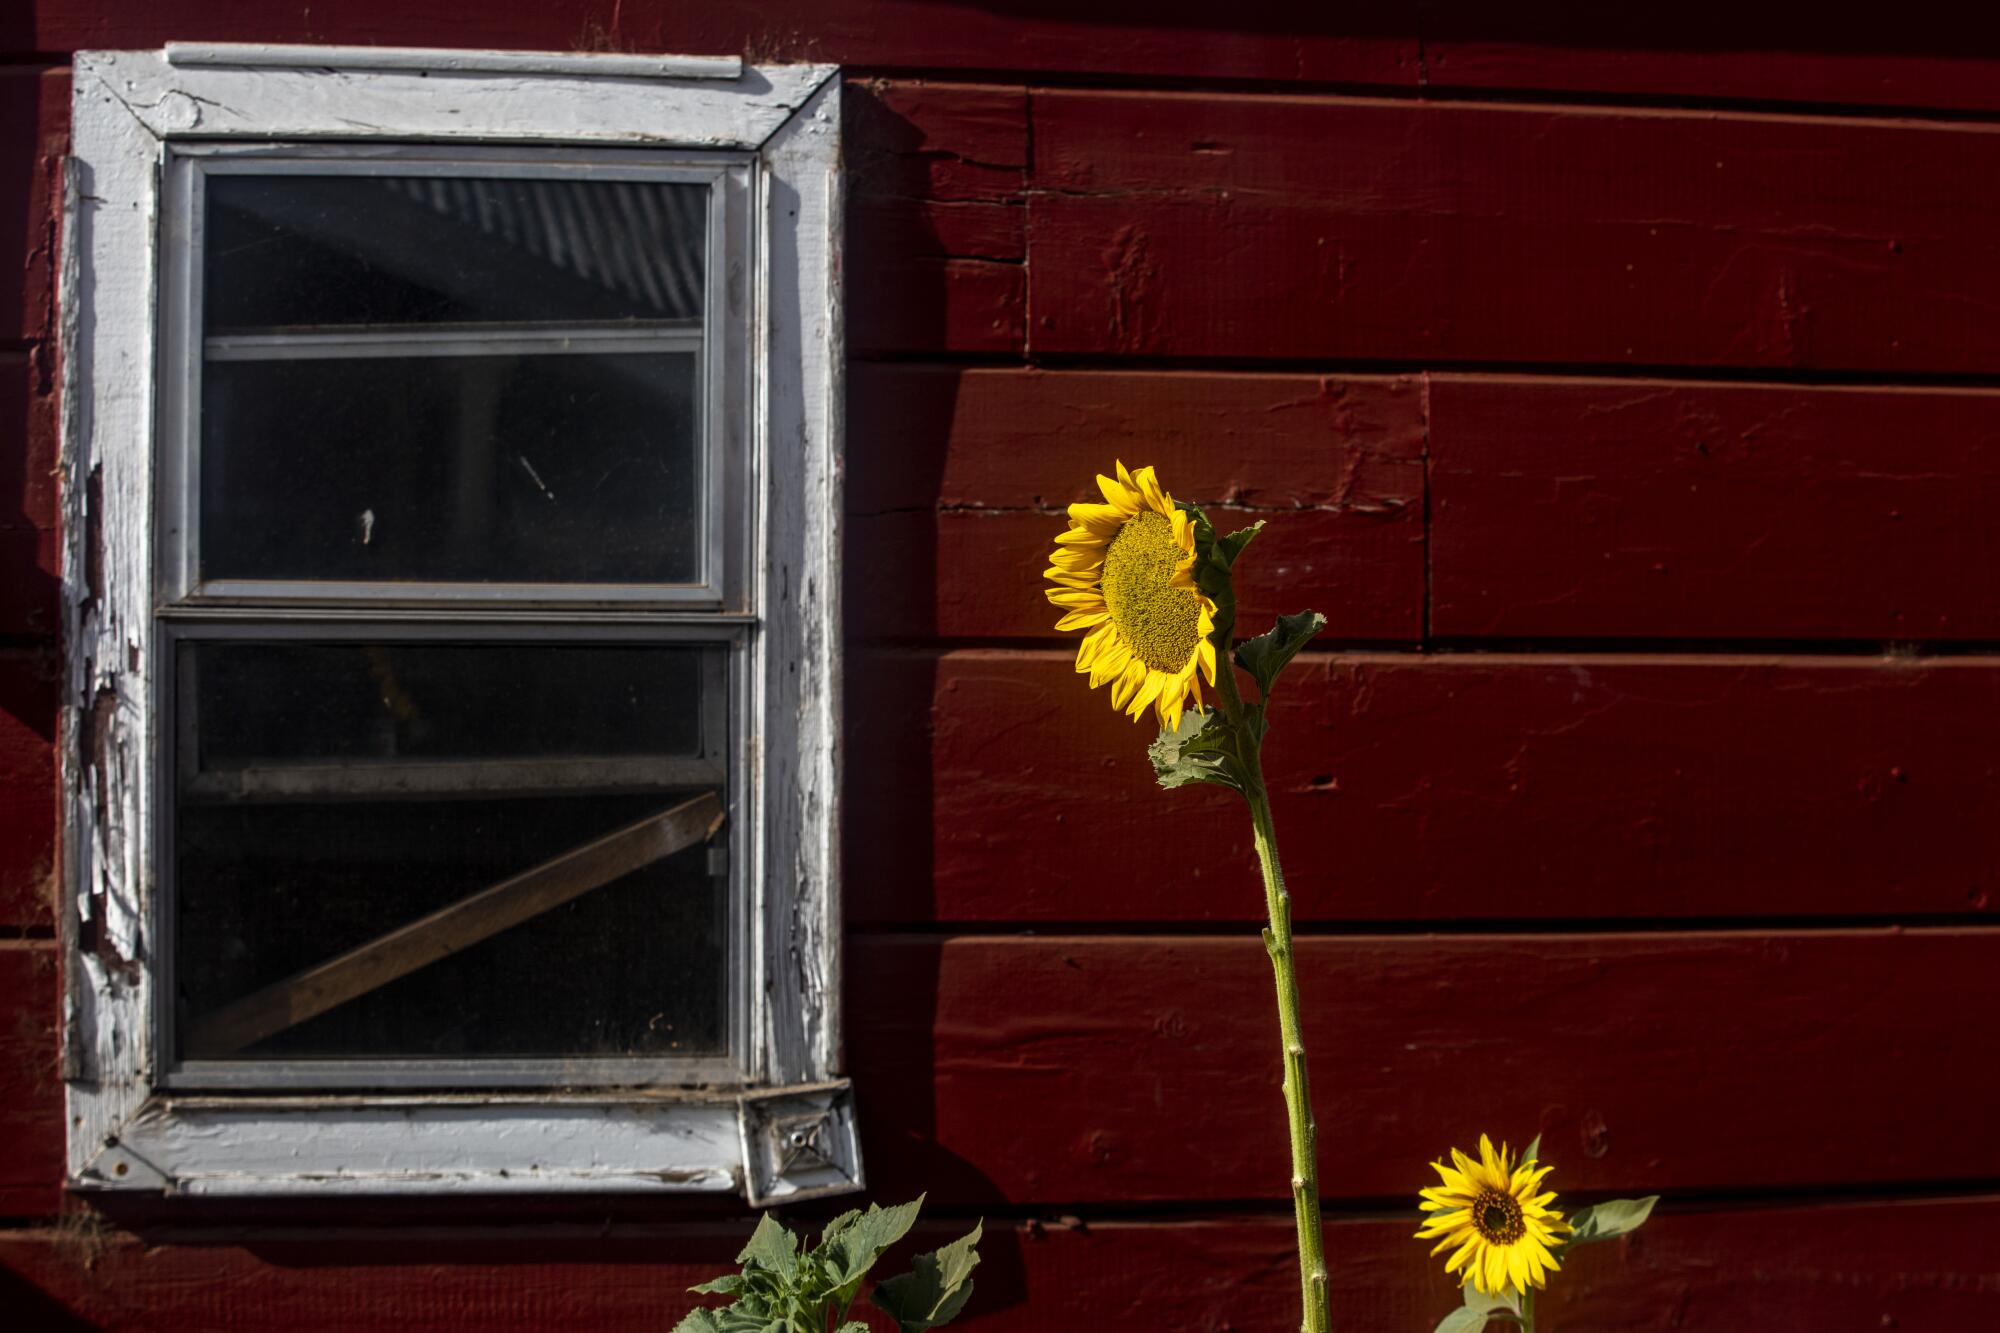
x: 936, y: 1289
x: 1228, y: 548
x: 1533, y: 1152
x: 1267, y: 654
x: 1478, y: 1309
x: 732, y: 1319
x: 852, y: 1249
x: 697, y: 1320
x: 771, y: 1248
x: 1506, y: 1302
x: 1201, y: 749
x: 1612, y: 1218
x: 1212, y: 558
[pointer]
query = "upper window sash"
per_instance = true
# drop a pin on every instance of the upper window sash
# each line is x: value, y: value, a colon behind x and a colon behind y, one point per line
x: 718, y: 339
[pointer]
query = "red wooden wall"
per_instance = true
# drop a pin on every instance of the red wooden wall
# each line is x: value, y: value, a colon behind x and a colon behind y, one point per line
x: 1623, y: 390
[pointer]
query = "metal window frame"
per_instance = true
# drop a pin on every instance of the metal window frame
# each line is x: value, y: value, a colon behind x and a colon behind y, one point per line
x: 721, y: 342
x: 128, y: 1128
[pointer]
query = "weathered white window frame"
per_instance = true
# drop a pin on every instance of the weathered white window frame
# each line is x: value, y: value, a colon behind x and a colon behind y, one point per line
x: 787, y: 1132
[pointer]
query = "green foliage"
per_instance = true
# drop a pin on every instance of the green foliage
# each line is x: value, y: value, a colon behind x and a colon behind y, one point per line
x: 935, y: 1290
x: 1612, y: 1218
x: 1479, y: 1308
x: 1210, y: 747
x: 1267, y: 654
x: 1214, y: 557
x: 785, y: 1288
x: 1202, y: 749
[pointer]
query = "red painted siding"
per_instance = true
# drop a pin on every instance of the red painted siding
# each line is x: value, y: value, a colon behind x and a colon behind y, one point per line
x: 1338, y: 462
x: 1475, y: 786
x: 1217, y: 226
x: 1848, y: 1265
x: 1623, y: 394
x: 1128, y: 1068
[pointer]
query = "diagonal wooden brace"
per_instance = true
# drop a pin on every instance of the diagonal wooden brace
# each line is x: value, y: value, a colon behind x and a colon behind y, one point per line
x: 453, y: 928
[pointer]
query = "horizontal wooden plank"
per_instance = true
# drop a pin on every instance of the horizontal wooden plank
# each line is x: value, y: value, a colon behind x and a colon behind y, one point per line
x: 1643, y: 508
x: 27, y: 786
x: 1920, y: 1264
x: 31, y: 1102
x: 1225, y: 226
x: 947, y: 142
x: 936, y: 226
x: 1463, y: 786
x: 34, y: 111
x: 1769, y: 52
x: 1131, y: 39
x: 928, y: 305
x: 1045, y: 1069
x: 957, y: 482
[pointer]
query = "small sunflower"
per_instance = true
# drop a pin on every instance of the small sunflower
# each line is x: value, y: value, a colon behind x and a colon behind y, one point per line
x: 1490, y: 1211
x: 1124, y: 572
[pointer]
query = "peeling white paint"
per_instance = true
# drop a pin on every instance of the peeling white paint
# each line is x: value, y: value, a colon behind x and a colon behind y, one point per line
x: 438, y: 103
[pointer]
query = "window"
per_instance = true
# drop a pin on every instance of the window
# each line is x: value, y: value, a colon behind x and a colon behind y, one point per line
x: 452, y: 460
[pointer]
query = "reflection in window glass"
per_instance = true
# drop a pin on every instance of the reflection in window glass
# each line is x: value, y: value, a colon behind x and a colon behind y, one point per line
x: 520, y: 469
x: 291, y: 250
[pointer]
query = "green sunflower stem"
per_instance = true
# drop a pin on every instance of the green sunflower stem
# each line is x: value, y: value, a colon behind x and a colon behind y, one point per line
x: 1298, y: 1091
x: 1528, y: 1310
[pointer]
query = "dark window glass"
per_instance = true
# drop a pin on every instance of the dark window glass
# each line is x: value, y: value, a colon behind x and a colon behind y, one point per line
x: 291, y: 251
x: 518, y: 469
x: 328, y: 794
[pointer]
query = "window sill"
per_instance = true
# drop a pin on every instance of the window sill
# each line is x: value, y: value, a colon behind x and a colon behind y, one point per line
x: 781, y: 1145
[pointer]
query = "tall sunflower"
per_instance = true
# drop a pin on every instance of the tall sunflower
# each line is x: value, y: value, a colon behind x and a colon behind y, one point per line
x: 1490, y: 1211
x: 1124, y: 572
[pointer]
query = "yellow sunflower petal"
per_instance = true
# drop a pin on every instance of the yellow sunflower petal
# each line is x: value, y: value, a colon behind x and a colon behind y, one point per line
x: 1149, y: 690
x: 1082, y: 537
x: 1454, y: 1181
x: 1149, y: 490
x: 1099, y: 520
x: 1077, y: 599
x: 1116, y: 494
x: 1083, y: 620
x: 1077, y: 557
x: 1128, y: 683
x: 1109, y: 663
x: 1490, y: 1162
